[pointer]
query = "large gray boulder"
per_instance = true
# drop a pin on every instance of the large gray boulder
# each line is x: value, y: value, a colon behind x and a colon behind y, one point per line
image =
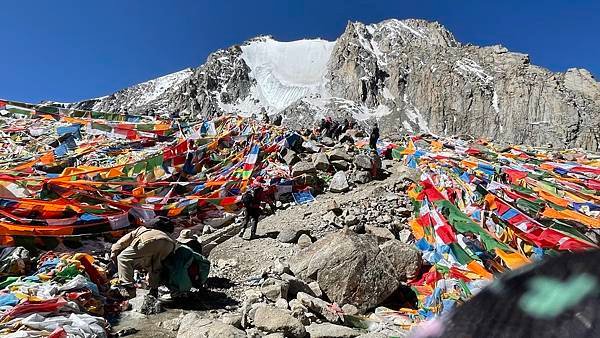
x: 339, y: 154
x: 339, y: 182
x: 271, y: 320
x: 303, y: 167
x: 362, y: 162
x: 321, y: 162
x: 405, y: 259
x: 350, y: 269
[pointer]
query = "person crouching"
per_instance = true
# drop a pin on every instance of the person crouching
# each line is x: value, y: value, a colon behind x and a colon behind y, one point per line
x: 145, y: 248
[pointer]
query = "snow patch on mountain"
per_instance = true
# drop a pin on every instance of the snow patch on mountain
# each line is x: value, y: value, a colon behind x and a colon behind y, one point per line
x: 153, y: 89
x: 287, y: 71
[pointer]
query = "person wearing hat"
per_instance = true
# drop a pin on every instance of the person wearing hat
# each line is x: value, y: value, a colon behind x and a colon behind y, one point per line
x: 145, y: 248
x: 187, y: 238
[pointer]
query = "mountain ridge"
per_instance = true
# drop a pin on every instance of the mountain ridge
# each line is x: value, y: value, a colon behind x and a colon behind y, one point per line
x: 410, y: 75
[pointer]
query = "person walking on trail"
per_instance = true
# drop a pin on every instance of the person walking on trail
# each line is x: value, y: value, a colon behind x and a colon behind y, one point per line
x: 145, y: 248
x: 251, y: 201
x: 374, y: 137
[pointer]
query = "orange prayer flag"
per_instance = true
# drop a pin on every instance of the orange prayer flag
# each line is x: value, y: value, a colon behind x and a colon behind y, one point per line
x: 475, y: 267
x: 47, y: 158
x: 513, y: 260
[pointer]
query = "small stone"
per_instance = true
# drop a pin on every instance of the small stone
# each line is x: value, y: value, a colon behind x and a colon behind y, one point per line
x: 404, y: 236
x: 290, y: 235
x: 362, y: 162
x: 327, y: 141
x: 296, y: 285
x: 349, y: 309
x: 273, y: 289
x: 329, y: 217
x: 332, y: 205
x: 316, y: 289
x: 318, y: 306
x: 328, y: 330
x: 303, y: 167
x: 321, y: 162
x: 252, y: 296
x: 361, y: 177
x: 339, y: 182
x: 281, y: 267
x: 382, y: 234
x: 351, y: 220
x: 339, y: 154
x: 281, y: 303
x: 340, y: 165
x: 272, y: 320
x: 304, y: 241
x: 234, y: 319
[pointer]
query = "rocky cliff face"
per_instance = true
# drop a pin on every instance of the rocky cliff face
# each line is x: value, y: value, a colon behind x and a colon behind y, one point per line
x: 412, y: 76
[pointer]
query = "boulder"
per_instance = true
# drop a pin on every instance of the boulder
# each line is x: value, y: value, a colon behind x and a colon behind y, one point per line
x: 321, y: 162
x: 296, y: 285
x: 332, y: 205
x: 340, y: 155
x: 328, y: 330
x: 382, y: 234
x: 271, y: 320
x: 303, y: 167
x: 234, y: 319
x: 362, y: 162
x: 404, y: 236
x: 340, y: 165
x: 408, y: 173
x: 350, y: 269
x: 280, y: 266
x: 291, y: 235
x: 192, y: 326
x: 349, y: 309
x: 316, y: 289
x: 281, y: 303
x: 405, y: 259
x: 339, y: 182
x: 304, y: 241
x: 274, y: 289
x: 327, y: 141
x: 310, y: 147
x: 318, y: 306
x: 291, y: 158
x: 373, y: 335
x: 220, y: 222
x: 351, y: 220
x: 361, y: 177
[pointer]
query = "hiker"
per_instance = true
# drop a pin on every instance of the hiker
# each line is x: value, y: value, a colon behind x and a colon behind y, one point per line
x: 278, y: 120
x: 326, y: 126
x: 374, y: 137
x: 265, y: 118
x: 144, y: 248
x: 375, y: 164
x: 251, y: 202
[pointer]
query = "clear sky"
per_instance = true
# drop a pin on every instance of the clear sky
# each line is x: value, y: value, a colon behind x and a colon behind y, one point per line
x: 66, y: 50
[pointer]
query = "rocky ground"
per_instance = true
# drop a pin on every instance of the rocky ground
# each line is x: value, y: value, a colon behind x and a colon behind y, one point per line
x: 313, y: 267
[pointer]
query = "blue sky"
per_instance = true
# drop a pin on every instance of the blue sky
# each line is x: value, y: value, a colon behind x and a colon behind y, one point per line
x: 71, y: 50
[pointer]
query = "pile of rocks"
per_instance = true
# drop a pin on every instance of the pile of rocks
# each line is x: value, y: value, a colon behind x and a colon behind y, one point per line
x: 319, y: 291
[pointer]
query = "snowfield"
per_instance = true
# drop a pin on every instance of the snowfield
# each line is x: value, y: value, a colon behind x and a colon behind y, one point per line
x: 287, y: 71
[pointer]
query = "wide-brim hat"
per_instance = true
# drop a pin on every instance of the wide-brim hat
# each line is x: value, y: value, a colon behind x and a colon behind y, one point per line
x: 187, y: 236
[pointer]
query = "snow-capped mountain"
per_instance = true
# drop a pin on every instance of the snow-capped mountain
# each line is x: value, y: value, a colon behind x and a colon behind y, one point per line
x: 410, y: 75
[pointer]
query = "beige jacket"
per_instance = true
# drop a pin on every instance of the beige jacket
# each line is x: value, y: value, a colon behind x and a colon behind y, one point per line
x: 140, y: 235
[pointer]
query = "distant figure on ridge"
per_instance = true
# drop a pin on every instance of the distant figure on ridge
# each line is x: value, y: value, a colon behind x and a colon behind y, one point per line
x: 374, y: 137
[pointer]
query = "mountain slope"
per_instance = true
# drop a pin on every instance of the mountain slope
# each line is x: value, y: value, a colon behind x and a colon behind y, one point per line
x: 410, y: 75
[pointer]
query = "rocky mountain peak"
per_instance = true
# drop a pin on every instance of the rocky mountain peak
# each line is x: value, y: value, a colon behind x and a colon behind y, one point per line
x: 410, y: 75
